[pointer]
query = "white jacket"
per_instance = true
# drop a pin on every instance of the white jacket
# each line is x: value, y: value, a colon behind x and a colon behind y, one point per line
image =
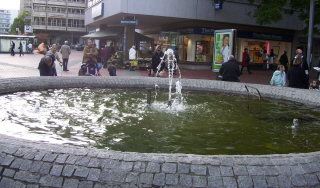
x: 132, y: 54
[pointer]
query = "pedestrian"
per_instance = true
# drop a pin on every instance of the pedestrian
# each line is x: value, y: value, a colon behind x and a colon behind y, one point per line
x: 132, y: 57
x: 47, y: 66
x: 304, y: 63
x: 21, y: 49
x: 90, y: 52
x: 284, y: 61
x: 279, y: 77
x: 156, y: 59
x: 265, y: 60
x: 112, y: 69
x: 65, y: 53
x: 297, y: 76
x: 13, y: 46
x: 314, y: 85
x: 30, y: 48
x: 270, y: 60
x: 230, y: 70
x: 245, y: 61
x: 176, y: 55
x: 53, y: 51
x: 105, y: 55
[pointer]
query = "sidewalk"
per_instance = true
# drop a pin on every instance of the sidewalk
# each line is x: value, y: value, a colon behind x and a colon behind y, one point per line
x: 26, y: 66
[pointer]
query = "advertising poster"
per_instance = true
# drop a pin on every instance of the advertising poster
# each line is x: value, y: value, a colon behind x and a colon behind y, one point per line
x: 224, y: 43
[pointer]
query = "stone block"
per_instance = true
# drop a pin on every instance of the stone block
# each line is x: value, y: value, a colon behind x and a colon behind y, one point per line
x: 170, y: 168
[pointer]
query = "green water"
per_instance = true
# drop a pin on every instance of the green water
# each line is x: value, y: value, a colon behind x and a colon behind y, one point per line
x: 120, y: 119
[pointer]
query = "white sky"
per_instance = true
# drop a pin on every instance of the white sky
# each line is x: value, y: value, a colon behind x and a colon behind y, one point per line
x: 10, y: 4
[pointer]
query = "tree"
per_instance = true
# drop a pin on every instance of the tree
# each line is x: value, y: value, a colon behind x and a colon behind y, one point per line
x: 18, y: 22
x: 42, y: 37
x: 272, y: 11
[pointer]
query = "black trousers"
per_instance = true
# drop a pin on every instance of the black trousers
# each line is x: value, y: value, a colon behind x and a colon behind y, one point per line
x: 65, y: 64
x: 248, y: 69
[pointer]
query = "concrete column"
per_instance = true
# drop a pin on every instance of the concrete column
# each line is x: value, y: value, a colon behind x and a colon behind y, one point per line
x: 129, y: 40
x: 191, y: 51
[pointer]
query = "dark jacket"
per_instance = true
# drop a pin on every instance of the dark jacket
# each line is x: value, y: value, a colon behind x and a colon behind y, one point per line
x: 298, y: 78
x: 46, y: 70
x: 156, y: 59
x: 112, y: 70
x: 230, y: 71
x: 176, y: 54
x: 106, y: 53
x: 305, y: 65
x: 284, y: 59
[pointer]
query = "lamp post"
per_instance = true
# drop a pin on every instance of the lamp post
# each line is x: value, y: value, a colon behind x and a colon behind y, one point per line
x: 310, y: 34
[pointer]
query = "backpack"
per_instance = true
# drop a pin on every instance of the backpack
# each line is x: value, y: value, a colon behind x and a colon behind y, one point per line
x: 248, y: 59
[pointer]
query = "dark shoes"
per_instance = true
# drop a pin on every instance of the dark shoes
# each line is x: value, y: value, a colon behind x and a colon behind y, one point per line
x: 250, y: 72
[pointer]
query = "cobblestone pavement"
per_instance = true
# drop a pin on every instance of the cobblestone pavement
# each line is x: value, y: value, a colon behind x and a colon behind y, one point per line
x: 30, y: 164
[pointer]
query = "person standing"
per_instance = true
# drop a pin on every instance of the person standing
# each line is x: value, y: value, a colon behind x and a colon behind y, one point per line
x: 245, y: 61
x: 65, y: 53
x: 132, y: 57
x: 176, y: 55
x: 271, y: 59
x: 297, y: 76
x: 230, y: 70
x: 304, y: 63
x: 90, y: 52
x: 284, y: 61
x: 21, y: 49
x: 30, y: 48
x: 155, y: 60
x: 265, y: 60
x: 279, y: 77
x: 55, y: 53
x: 105, y: 55
x: 13, y: 46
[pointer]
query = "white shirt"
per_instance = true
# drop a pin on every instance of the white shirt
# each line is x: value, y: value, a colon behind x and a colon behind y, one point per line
x: 225, y: 53
x: 132, y: 54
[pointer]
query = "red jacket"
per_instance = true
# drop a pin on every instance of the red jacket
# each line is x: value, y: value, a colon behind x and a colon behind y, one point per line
x: 244, y: 63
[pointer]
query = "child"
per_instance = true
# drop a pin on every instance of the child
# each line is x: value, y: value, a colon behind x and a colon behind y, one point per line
x: 279, y: 77
x: 313, y: 86
x: 112, y: 68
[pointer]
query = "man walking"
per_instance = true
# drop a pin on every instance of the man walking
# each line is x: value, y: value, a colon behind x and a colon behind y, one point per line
x: 65, y: 52
x: 284, y: 61
x: 230, y: 70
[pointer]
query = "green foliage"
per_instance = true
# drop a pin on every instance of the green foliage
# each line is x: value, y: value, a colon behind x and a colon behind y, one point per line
x: 273, y: 11
x: 18, y: 22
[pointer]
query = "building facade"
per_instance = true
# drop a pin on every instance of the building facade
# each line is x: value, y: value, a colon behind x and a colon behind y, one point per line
x: 60, y: 19
x: 190, y: 24
x: 6, y: 19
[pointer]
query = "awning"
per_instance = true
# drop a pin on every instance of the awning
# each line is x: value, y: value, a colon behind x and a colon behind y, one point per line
x: 111, y: 32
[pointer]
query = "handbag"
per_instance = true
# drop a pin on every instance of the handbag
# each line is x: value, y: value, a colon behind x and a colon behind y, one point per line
x: 248, y: 59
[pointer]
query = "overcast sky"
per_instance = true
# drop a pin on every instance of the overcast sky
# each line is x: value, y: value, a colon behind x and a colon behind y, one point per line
x: 10, y: 4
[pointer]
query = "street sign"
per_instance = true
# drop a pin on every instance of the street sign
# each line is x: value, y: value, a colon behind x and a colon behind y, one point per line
x: 28, y: 29
x: 129, y: 22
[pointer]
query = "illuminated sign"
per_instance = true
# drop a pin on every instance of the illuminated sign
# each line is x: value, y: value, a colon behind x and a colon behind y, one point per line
x: 98, y: 10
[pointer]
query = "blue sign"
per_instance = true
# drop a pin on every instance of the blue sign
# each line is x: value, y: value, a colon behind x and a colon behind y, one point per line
x: 129, y: 22
x: 218, y: 6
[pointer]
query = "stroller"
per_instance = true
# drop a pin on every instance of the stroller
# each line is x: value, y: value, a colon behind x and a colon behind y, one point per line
x: 90, y: 68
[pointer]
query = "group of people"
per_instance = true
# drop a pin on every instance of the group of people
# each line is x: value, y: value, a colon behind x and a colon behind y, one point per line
x: 13, y: 46
x: 298, y: 75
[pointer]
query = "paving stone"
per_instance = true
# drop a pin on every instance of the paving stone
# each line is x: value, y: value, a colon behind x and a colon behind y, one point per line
x: 127, y: 166
x: 26, y: 165
x: 105, y: 175
x: 8, y: 172
x: 280, y: 161
x: 312, y: 180
x: 61, y: 158
x: 39, y: 156
x: 259, y: 181
x: 81, y: 171
x: 199, y: 181
x: 119, y: 176
x: 272, y: 181
x: 311, y: 168
x: 214, y: 171
x: 185, y: 180
x: 45, y: 168
x: 72, y: 159
x: 16, y: 163
x: 284, y: 181
x: 30, y: 154
x: 56, y: 170
x: 85, y: 184
x: 146, y: 178
x: 253, y: 161
x: 10, y: 150
x: 36, y: 166
x: 68, y: 170
x: 83, y: 161
x: 110, y: 163
x: 27, y: 176
x: 244, y: 181
x: 255, y: 170
x: 183, y: 168
x: 297, y: 170
x: 7, y: 160
x: 159, y: 179
x: 139, y: 167
x: 18, y: 184
x: 284, y: 170
x: 32, y: 186
x: 21, y: 152
x: 51, y: 181
x: 172, y: 179
x: 199, y: 169
x: 229, y: 182
x: 298, y: 181
x: 226, y: 171
x: 153, y: 167
x: 132, y: 177
x: 70, y: 183
x: 214, y: 181
x: 94, y: 174
x: 240, y: 170
x: 103, y: 155
x: 169, y: 168
x: 6, y: 182
x: 94, y: 162
x: 270, y: 171
x: 80, y: 151
x: 226, y: 161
